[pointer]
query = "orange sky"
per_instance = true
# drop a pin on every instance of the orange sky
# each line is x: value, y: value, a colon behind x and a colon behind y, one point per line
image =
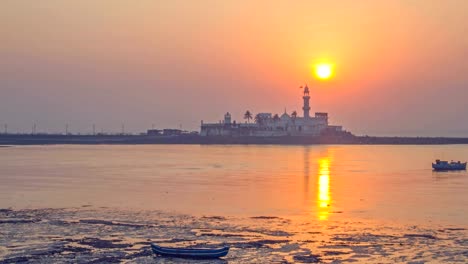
x: 400, y: 65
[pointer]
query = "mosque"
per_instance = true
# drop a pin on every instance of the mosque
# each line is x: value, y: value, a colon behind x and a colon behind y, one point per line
x: 268, y: 125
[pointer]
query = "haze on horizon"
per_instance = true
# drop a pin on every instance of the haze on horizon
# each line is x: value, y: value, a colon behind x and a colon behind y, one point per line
x: 400, y: 66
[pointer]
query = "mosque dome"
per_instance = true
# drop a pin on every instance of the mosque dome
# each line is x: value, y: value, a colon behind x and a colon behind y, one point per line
x: 285, y: 116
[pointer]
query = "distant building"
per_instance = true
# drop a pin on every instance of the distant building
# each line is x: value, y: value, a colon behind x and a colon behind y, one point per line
x: 154, y: 132
x: 267, y: 124
x: 172, y: 132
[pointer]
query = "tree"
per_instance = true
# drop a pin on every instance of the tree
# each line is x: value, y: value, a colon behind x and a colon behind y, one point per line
x: 259, y: 119
x: 294, y: 115
x: 276, y: 118
x: 248, y: 116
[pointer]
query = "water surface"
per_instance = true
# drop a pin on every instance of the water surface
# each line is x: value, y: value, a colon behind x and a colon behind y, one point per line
x: 390, y: 183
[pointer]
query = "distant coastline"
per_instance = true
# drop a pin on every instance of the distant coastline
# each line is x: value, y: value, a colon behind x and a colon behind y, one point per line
x: 58, y: 139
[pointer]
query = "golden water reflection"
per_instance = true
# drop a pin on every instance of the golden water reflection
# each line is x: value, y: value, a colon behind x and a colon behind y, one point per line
x: 323, y: 197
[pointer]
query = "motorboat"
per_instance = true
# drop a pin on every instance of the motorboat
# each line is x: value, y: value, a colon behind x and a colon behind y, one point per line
x: 442, y: 165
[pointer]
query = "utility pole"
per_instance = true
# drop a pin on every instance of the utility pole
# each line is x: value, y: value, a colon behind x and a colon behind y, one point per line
x: 66, y: 129
x: 123, y: 129
x: 34, y: 129
x: 94, y: 129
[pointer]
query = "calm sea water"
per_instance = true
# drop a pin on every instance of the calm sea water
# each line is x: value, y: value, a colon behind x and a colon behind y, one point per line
x: 391, y: 183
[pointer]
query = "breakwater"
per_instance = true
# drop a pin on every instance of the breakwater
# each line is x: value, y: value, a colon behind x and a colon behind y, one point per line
x: 47, y: 139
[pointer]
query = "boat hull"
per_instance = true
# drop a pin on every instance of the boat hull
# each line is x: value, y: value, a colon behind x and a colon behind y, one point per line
x: 189, y: 252
x: 444, y: 167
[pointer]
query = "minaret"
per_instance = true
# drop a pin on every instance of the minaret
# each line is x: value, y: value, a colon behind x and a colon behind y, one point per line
x: 227, y: 118
x: 306, y: 106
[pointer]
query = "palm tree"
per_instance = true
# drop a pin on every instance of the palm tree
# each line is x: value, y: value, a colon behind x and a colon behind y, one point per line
x: 248, y: 116
x: 294, y: 115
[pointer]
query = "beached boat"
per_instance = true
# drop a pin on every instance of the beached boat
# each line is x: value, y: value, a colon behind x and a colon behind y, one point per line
x: 442, y: 165
x: 205, y: 253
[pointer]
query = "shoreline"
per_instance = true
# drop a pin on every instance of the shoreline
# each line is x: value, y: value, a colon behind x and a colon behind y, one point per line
x: 95, y: 235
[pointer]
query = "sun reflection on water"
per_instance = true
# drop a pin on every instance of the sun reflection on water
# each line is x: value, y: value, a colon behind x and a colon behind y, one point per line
x: 323, y: 198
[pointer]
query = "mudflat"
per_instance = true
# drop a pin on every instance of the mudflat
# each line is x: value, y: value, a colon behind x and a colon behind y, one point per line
x: 86, y: 235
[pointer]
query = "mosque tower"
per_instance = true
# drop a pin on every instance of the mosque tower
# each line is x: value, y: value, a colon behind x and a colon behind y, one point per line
x: 306, y: 106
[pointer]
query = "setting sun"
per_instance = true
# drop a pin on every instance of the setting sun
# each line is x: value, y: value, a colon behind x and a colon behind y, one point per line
x: 323, y: 71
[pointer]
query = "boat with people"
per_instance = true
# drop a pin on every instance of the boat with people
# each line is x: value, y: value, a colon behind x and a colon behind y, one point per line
x: 443, y: 165
x: 199, y: 253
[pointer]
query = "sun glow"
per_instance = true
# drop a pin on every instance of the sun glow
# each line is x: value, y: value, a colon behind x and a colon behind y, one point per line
x: 323, y: 198
x: 323, y: 71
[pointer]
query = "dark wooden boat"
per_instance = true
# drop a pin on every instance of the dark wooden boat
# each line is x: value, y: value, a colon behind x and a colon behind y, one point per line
x: 201, y: 253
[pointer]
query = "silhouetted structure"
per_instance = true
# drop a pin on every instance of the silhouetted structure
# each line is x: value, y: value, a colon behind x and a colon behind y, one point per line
x: 268, y: 125
x: 154, y: 132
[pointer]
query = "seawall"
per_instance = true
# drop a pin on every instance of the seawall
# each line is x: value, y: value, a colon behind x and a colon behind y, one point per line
x: 15, y: 139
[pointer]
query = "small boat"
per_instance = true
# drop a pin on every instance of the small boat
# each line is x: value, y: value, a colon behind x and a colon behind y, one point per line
x: 200, y: 253
x: 442, y: 165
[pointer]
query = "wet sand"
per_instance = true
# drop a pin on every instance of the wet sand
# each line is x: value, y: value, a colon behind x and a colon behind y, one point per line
x: 96, y: 235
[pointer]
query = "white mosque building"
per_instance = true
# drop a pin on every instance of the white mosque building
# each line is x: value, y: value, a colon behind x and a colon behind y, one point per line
x: 267, y: 125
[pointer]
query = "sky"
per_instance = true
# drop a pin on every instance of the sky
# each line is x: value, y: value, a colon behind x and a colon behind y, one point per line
x: 401, y: 67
